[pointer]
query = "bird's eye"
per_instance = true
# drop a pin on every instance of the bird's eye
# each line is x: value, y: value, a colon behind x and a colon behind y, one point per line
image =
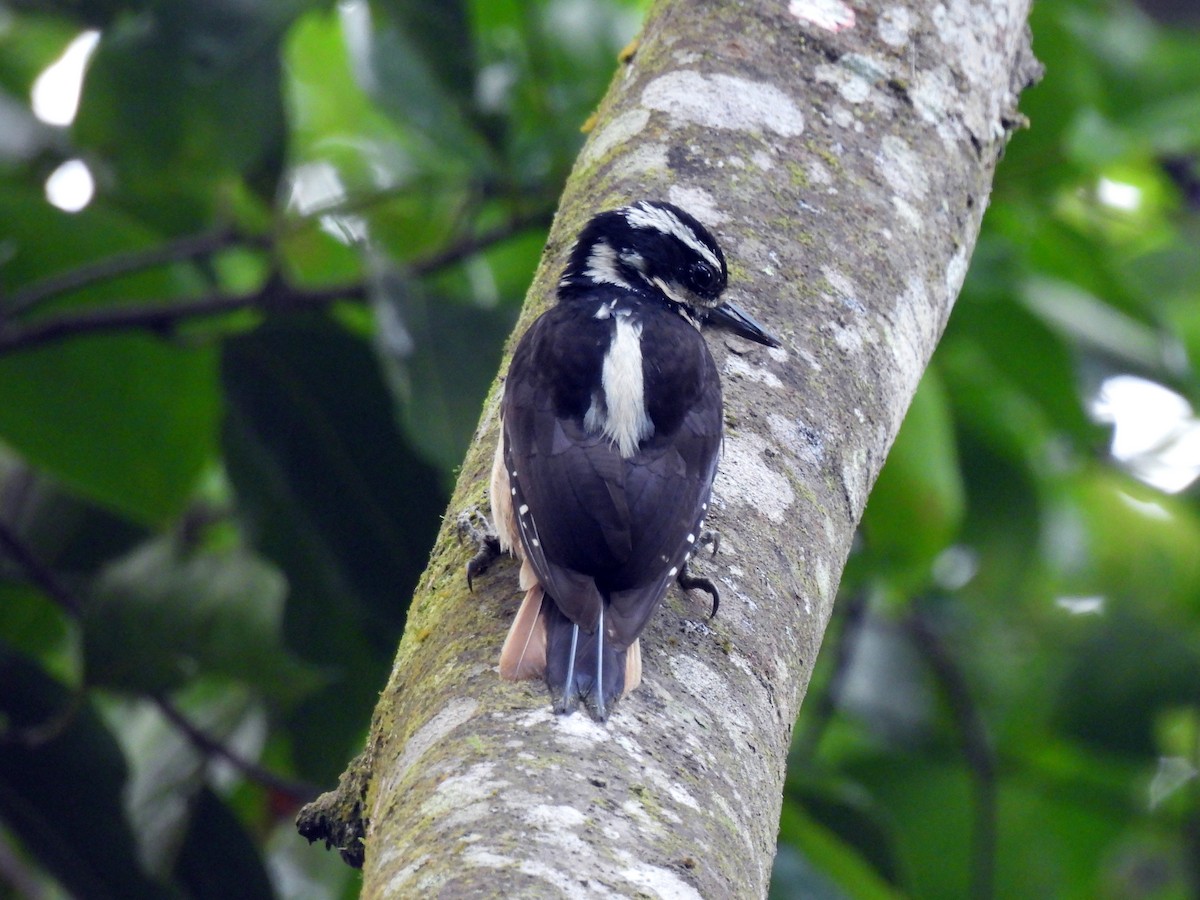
x: 703, y: 277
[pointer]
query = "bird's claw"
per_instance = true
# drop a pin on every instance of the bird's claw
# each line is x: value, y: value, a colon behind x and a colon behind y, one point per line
x: 688, y: 582
x: 484, y: 539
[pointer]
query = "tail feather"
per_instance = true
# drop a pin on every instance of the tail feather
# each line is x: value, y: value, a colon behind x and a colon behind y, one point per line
x: 527, y: 578
x: 633, y: 667
x: 539, y: 643
x: 574, y: 677
x: 524, y: 652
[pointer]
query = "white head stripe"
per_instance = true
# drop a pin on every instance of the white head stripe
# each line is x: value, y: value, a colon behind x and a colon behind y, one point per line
x: 647, y: 215
x: 602, y: 265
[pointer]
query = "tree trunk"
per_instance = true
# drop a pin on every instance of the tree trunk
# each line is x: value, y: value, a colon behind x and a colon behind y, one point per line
x: 844, y: 158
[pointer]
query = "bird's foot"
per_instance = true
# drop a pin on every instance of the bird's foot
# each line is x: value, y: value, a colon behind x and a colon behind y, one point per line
x: 687, y: 581
x: 482, y: 537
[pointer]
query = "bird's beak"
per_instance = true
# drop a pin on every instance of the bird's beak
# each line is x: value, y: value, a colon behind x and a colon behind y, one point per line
x: 733, y: 318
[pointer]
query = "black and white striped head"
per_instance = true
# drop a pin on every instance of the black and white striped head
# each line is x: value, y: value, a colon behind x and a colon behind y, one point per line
x: 651, y: 247
x: 656, y: 248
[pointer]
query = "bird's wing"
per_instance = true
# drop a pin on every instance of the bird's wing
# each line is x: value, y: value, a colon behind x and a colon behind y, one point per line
x: 668, y: 489
x: 567, y: 490
x: 595, y: 524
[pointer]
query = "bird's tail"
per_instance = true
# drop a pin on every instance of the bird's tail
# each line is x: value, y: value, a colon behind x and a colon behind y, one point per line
x: 581, y: 665
x: 577, y: 665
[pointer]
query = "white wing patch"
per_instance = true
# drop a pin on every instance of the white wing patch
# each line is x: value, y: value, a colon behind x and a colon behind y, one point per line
x: 623, y: 417
x: 647, y: 215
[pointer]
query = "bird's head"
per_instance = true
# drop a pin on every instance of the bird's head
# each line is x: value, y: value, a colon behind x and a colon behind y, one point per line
x: 656, y: 248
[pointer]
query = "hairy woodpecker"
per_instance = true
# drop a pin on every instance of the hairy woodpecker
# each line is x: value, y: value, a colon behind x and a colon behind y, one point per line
x: 611, y: 429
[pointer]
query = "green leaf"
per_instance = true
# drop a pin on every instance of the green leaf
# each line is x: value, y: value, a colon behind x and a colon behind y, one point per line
x: 215, y: 834
x: 1113, y: 536
x: 403, y: 63
x: 169, y: 773
x: 183, y: 96
x: 439, y: 357
x: 164, y: 613
x: 61, y: 793
x: 34, y: 625
x: 917, y: 504
x: 89, y: 409
x: 335, y: 495
x: 822, y: 850
x: 338, y: 132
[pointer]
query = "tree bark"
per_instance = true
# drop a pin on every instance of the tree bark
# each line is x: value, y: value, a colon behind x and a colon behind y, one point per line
x: 844, y: 158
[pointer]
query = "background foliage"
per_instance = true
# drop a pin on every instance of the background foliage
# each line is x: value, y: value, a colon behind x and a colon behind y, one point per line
x: 236, y: 381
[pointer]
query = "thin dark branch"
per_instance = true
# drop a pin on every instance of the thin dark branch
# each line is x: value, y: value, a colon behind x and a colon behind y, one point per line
x: 211, y: 747
x: 162, y: 316
x: 474, y: 243
x: 49, y: 728
x: 976, y: 747
x: 20, y: 553
x: 15, y: 548
x: 185, y: 248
